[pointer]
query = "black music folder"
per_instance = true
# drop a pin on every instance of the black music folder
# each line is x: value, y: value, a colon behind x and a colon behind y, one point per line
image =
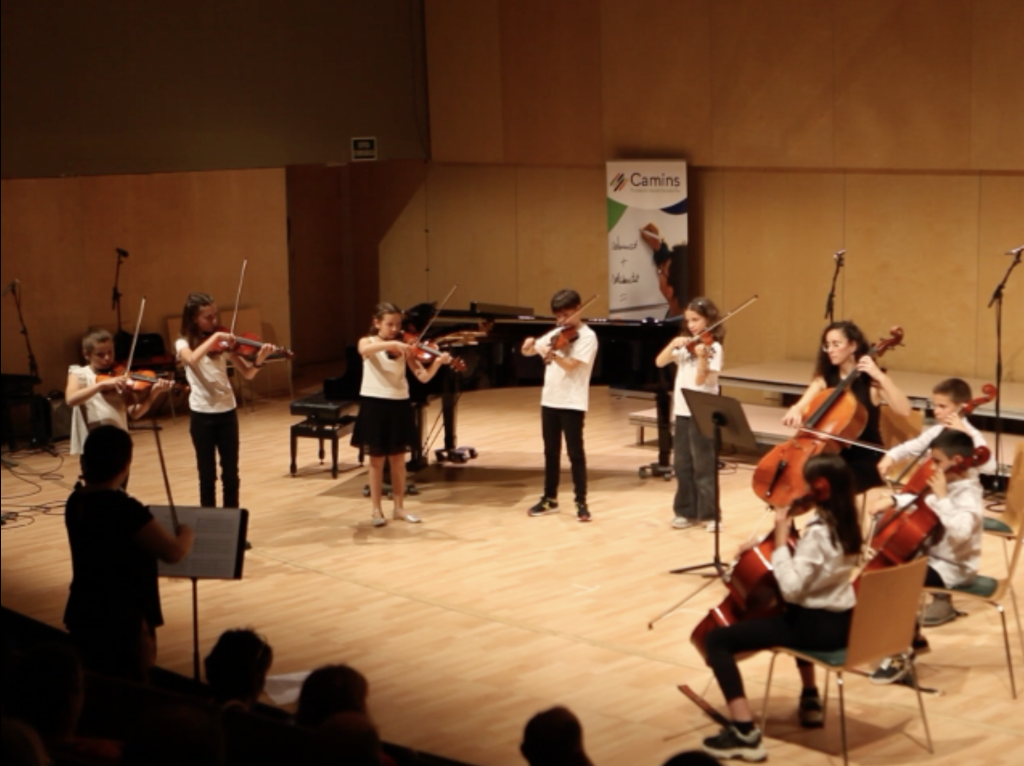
x: 218, y: 552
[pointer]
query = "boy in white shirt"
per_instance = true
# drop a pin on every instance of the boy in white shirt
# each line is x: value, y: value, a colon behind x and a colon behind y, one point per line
x: 565, y: 399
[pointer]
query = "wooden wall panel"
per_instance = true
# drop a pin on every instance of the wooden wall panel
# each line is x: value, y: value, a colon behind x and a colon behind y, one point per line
x: 903, y: 84
x: 404, y: 268
x: 772, y: 83
x: 655, y: 79
x: 551, y: 81
x: 997, y: 114
x: 912, y: 261
x: 1002, y: 200
x: 472, y: 219
x: 780, y: 230
x: 562, y: 239
x: 184, y: 232
x: 464, y: 70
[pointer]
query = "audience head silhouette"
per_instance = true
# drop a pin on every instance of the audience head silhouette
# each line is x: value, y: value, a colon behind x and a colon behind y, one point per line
x: 329, y: 690
x: 554, y: 738
x: 237, y: 667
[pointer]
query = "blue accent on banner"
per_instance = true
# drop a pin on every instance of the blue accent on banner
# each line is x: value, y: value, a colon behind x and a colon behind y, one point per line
x: 680, y: 208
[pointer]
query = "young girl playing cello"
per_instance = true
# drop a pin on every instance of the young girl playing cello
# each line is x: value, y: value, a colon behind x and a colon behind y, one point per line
x: 843, y: 350
x: 385, y: 427
x: 204, y: 350
x: 696, y: 370
x: 814, y: 580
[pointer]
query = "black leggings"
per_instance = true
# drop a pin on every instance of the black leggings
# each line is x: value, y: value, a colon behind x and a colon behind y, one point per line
x: 555, y: 422
x: 214, y: 433
x: 798, y: 627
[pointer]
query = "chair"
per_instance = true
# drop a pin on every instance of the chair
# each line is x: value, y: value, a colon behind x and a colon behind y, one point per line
x: 993, y: 591
x: 883, y: 623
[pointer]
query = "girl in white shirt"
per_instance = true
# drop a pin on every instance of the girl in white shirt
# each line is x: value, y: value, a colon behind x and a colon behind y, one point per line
x: 205, y: 348
x: 814, y: 580
x: 98, y: 396
x: 697, y: 370
x: 385, y: 428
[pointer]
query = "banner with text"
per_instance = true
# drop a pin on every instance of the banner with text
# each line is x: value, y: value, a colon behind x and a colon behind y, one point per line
x: 647, y: 239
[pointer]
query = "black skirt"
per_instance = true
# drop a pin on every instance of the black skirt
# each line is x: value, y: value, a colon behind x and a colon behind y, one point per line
x: 384, y: 426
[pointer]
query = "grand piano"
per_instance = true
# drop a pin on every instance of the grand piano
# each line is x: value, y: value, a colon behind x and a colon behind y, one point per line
x: 488, y: 337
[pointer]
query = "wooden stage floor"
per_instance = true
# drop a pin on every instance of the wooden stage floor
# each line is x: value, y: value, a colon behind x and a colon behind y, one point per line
x: 468, y: 624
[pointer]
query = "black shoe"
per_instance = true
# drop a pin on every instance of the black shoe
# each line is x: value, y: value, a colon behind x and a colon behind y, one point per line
x: 812, y: 712
x: 582, y: 513
x: 891, y: 670
x: 729, y: 743
x: 545, y: 506
x: 248, y: 545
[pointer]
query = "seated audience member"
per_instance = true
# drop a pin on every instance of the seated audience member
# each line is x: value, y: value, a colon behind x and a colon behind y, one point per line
x: 48, y: 695
x: 348, y: 739
x: 237, y: 667
x: 20, y: 745
x: 554, y: 738
x: 329, y: 690
x: 175, y: 736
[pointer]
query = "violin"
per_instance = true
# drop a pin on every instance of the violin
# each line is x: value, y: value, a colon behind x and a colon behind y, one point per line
x: 426, y: 352
x: 137, y: 383
x: 902, y: 533
x: 706, y: 336
x: 565, y: 332
x: 246, y: 345
x: 778, y: 478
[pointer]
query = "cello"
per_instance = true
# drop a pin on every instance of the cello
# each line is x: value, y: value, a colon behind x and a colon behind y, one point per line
x: 903, y: 532
x: 835, y: 412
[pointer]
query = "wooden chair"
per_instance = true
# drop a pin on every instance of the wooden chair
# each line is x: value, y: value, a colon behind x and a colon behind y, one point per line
x: 994, y: 591
x: 883, y: 623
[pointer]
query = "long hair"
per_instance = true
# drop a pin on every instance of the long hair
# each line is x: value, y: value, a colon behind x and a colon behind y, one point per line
x: 839, y: 508
x: 707, y: 309
x: 850, y: 331
x: 381, y: 311
x: 237, y: 667
x: 195, y: 303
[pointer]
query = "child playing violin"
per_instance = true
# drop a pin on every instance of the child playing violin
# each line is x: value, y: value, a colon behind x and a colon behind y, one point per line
x: 949, y: 397
x: 564, y: 400
x: 814, y: 580
x: 97, y: 396
x: 385, y: 428
x: 697, y: 370
x: 843, y: 350
x: 204, y: 349
x: 956, y: 497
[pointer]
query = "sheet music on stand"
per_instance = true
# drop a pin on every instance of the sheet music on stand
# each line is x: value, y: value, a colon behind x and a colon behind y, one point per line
x: 218, y: 552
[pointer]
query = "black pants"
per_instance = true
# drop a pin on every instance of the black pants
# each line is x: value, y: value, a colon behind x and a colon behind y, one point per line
x: 695, y: 467
x: 554, y: 422
x: 213, y: 434
x: 815, y: 629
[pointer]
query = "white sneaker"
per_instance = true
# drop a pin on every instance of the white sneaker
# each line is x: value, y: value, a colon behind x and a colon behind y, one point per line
x: 713, y: 526
x: 403, y: 516
x: 681, y: 522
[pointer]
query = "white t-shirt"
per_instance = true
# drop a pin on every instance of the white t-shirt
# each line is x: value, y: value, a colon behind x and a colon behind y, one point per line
x: 817, y: 574
x: 383, y: 377
x: 103, y: 409
x: 686, y: 375
x: 208, y: 378
x: 570, y: 390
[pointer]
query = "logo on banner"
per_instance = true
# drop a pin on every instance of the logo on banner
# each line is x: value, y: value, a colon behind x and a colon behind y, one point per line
x: 618, y: 182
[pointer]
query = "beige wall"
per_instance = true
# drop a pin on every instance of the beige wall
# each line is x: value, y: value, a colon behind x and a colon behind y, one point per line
x: 184, y: 232
x: 892, y: 128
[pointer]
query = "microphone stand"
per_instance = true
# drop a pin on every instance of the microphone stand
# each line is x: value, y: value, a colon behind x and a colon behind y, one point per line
x: 33, y: 367
x: 830, y: 303
x: 121, y: 336
x: 997, y: 301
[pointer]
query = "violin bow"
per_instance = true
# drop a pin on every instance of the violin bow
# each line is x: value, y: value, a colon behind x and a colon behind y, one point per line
x: 135, y: 338
x: 732, y: 313
x: 238, y: 295
x: 167, y: 481
x: 437, y: 311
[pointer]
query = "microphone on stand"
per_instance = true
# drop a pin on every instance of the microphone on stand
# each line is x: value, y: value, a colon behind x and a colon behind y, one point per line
x: 1015, y: 251
x: 120, y: 251
x: 838, y: 257
x: 11, y: 287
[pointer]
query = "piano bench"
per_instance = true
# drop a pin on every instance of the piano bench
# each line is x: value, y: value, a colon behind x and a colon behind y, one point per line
x: 316, y: 428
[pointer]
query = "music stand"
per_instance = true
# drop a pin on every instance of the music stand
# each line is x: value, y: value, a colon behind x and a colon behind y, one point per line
x: 720, y: 418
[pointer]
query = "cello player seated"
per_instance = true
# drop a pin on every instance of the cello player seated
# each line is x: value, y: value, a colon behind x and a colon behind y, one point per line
x: 814, y: 580
x: 956, y: 497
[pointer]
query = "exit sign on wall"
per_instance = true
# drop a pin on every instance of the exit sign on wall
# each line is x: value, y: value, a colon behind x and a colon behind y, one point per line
x: 364, y: 149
